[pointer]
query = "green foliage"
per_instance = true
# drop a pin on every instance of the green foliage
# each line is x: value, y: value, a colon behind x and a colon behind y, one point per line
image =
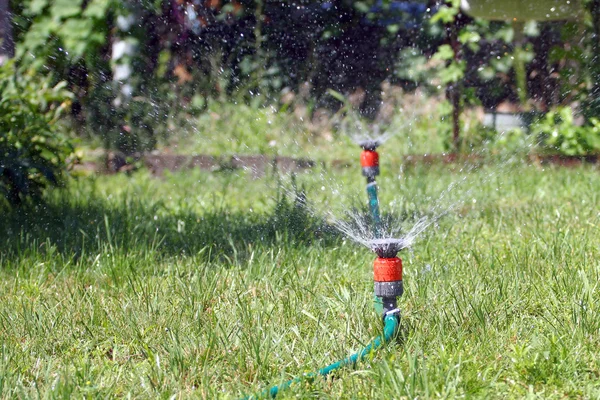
x: 226, y: 129
x: 72, y: 39
x: 411, y: 66
x: 33, y: 151
x: 484, y: 140
x: 187, y: 52
x: 454, y: 68
x: 559, y: 134
x: 513, y: 140
x: 447, y: 12
x: 64, y: 31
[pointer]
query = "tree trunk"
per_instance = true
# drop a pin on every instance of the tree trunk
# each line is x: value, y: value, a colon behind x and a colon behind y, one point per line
x: 454, y: 92
x: 595, y: 62
x: 7, y: 45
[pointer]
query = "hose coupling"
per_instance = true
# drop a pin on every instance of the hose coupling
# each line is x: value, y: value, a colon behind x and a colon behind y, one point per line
x: 387, y: 274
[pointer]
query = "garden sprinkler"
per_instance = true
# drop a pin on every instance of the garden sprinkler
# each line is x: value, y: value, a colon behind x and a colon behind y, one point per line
x: 387, y: 268
x: 369, y: 160
x: 387, y: 271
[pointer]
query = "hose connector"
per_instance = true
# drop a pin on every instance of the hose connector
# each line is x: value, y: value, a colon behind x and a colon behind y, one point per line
x: 369, y: 160
x: 388, y: 277
x: 387, y: 274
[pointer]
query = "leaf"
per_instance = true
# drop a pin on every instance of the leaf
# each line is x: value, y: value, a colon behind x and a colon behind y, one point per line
x: 63, y: 9
x: 337, y: 95
x: 74, y: 34
x: 444, y: 53
x: 393, y: 28
x: 97, y: 9
x: 469, y: 37
x: 361, y: 6
x: 445, y: 15
x: 36, y: 7
x: 39, y: 33
x: 452, y: 73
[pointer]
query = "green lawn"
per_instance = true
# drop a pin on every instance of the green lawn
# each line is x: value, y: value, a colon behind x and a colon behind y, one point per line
x: 201, y: 285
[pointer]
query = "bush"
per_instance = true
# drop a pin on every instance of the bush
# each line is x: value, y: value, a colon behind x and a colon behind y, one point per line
x: 513, y: 140
x: 33, y: 150
x: 558, y: 134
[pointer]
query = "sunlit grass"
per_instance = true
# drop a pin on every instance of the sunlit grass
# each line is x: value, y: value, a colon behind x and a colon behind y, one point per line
x: 227, y: 129
x: 210, y: 285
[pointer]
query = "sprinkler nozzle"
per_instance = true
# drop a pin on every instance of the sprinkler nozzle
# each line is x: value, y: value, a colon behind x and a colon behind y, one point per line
x: 388, y: 248
x: 369, y: 144
x: 369, y: 160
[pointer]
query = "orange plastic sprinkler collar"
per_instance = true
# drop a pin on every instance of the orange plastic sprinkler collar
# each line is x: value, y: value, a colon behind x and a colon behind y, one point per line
x: 369, y: 158
x: 387, y: 269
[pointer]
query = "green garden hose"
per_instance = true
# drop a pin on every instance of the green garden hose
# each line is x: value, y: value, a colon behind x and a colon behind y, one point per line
x: 391, y: 324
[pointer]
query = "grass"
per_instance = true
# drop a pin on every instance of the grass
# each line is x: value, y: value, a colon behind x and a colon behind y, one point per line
x: 204, y: 285
x: 226, y: 129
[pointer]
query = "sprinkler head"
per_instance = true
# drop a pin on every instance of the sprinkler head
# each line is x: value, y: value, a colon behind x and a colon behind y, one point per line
x: 369, y: 160
x: 387, y: 248
x: 369, y: 144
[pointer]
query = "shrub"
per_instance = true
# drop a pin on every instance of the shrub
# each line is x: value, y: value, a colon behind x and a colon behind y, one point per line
x: 558, y: 134
x: 513, y: 140
x: 33, y: 150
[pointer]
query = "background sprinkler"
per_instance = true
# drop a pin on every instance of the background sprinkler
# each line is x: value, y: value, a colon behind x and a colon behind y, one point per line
x: 369, y: 160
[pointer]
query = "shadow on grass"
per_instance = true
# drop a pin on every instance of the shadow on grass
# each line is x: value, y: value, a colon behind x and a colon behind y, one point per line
x: 74, y: 228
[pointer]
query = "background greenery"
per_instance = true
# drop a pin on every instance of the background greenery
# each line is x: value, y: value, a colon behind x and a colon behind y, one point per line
x: 148, y: 72
x: 33, y: 145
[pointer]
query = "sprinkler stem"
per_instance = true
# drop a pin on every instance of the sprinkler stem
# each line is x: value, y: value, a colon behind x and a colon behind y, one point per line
x: 369, y: 160
x: 374, y: 206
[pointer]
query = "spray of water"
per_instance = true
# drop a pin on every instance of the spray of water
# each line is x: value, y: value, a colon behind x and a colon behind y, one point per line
x: 367, y: 136
x: 369, y: 139
x: 398, y: 231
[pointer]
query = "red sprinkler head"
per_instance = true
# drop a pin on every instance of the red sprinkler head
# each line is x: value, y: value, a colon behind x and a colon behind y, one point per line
x: 369, y: 160
x: 388, y: 277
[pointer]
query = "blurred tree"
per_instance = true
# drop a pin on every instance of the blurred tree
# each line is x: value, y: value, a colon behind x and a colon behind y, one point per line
x: 594, y: 95
x: 7, y: 46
